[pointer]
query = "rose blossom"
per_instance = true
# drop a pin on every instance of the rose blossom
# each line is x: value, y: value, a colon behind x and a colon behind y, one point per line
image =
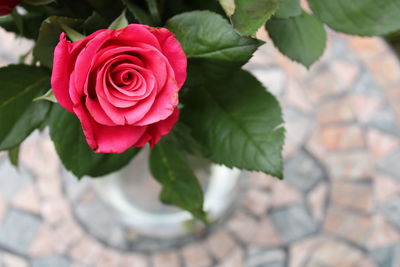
x: 122, y: 85
x: 6, y: 6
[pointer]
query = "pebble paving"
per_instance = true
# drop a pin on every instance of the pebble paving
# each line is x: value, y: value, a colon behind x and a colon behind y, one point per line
x: 339, y: 204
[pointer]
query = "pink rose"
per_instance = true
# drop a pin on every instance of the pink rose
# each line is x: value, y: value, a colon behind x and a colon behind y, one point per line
x: 122, y: 84
x: 6, y: 6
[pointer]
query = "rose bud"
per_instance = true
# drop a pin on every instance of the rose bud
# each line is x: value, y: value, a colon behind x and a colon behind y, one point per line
x: 122, y: 85
x: 6, y: 6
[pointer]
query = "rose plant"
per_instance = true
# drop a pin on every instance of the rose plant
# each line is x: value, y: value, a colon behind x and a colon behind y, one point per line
x: 108, y: 77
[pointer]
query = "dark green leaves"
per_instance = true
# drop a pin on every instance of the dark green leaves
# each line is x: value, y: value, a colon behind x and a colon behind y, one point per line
x: 238, y: 121
x: 207, y: 35
x: 19, y: 115
x: 302, y: 38
x: 181, y: 188
x: 76, y: 155
x: 49, y: 36
x: 250, y: 15
x: 359, y: 17
x: 288, y: 8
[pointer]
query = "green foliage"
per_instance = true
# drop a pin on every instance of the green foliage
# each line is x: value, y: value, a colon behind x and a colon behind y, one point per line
x: 238, y: 121
x: 288, y: 8
x: 250, y: 15
x: 49, y: 37
x: 302, y: 38
x: 207, y: 35
x: 181, y: 188
x: 77, y: 157
x: 119, y: 23
x: 359, y: 17
x: 19, y: 115
x: 138, y: 13
x: 30, y: 24
x: 13, y: 156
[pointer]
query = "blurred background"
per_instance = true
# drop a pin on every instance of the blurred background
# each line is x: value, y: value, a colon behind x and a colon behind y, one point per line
x: 339, y: 204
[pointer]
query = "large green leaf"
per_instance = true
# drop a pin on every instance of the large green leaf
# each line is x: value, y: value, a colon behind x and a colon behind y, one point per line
x: 77, y: 157
x: 30, y: 24
x: 49, y: 36
x: 207, y: 35
x: 238, y: 121
x: 19, y: 115
x: 301, y: 38
x: 359, y: 17
x: 181, y: 188
x: 288, y: 8
x: 250, y: 15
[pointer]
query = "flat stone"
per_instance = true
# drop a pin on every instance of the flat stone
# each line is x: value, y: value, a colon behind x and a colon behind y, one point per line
x: 55, y: 210
x: 301, y: 250
x: 385, y: 69
x: 27, y: 199
x: 302, y: 171
x: 390, y: 209
x: 43, y: 244
x: 356, y: 195
x: 385, y: 121
x: 334, y: 138
x: 268, y: 258
x: 316, y: 200
x: 108, y: 257
x: 51, y: 261
x: 11, y: 260
x: 266, y: 234
x: 387, y: 255
x: 3, y: 208
x: 383, y: 234
x: 134, y: 259
x: 12, y: 180
x: 273, y: 78
x: 220, y: 244
x: 348, y: 225
x: 243, y: 226
x: 380, y: 144
x: 19, y: 230
x: 196, y: 255
x: 368, y: 48
x: 260, y: 180
x: 390, y: 166
x: 354, y: 165
x: 66, y: 233
x: 235, y: 259
x: 296, y: 96
x: 293, y: 222
x: 166, y: 259
x: 334, y: 253
x: 86, y: 251
x: 257, y: 201
x: 364, y: 106
x: 335, y: 111
x: 385, y: 187
x: 298, y: 125
x: 283, y: 194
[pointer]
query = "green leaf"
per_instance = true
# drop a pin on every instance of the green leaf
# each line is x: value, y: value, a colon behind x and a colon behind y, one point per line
x: 359, y: 17
x: 108, y: 9
x: 187, y: 142
x: 119, y: 23
x: 77, y: 157
x: 207, y: 35
x: 49, y: 37
x: 19, y: 115
x: 181, y: 188
x: 140, y: 15
x: 38, y: 2
x: 72, y: 34
x: 13, y: 155
x: 238, y: 121
x: 301, y: 38
x: 49, y: 96
x: 288, y: 8
x: 250, y: 15
x: 30, y: 24
x: 94, y: 23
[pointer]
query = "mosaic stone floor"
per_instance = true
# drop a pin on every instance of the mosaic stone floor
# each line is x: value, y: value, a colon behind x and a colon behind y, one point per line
x: 339, y: 204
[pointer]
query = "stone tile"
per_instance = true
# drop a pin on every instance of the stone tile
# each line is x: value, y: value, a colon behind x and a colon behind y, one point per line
x: 134, y: 259
x: 272, y: 78
x: 384, y: 120
x: 166, y: 259
x: 385, y: 187
x: 302, y: 171
x: 385, y: 70
x: 243, y: 226
x: 86, y: 251
x: 66, y: 233
x: 301, y: 250
x: 335, y: 138
x: 27, y: 199
x: 296, y: 97
x: 350, y: 165
x: 43, y: 244
x: 383, y: 234
x: 220, y: 244
x: 11, y: 260
x: 109, y: 258
x: 3, y: 208
x: 235, y: 259
x: 55, y: 210
x: 266, y: 234
x: 12, y: 180
x: 390, y: 209
x: 348, y: 225
x: 364, y: 106
x: 380, y: 144
x: 298, y: 125
x: 356, y: 195
x: 19, y: 230
x: 389, y: 165
x: 368, y: 48
x: 268, y: 258
x: 196, y: 255
x: 293, y: 222
x: 334, y: 253
x: 257, y: 201
x: 283, y: 194
x: 348, y: 72
x: 261, y: 181
x: 387, y: 256
x: 51, y: 261
x: 316, y: 200
x: 335, y: 111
